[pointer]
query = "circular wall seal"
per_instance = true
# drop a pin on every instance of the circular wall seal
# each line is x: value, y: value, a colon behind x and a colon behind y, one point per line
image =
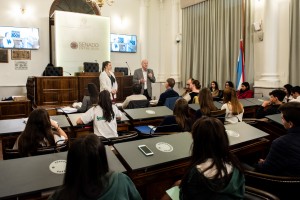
x: 164, y: 147
x: 74, y: 45
x: 58, y: 166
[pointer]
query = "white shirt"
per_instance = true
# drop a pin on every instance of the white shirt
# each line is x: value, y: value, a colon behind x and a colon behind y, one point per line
x: 229, y: 117
x: 105, y: 83
x: 100, y: 125
x: 145, y: 78
x: 295, y: 100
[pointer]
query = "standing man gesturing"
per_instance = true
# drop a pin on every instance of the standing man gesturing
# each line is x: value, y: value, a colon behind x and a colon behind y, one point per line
x: 145, y: 77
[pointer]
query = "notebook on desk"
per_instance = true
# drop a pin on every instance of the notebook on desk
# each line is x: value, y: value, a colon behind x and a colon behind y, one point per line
x: 149, y: 130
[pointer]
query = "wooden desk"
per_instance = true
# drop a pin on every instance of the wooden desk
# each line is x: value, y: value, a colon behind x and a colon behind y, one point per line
x: 23, y: 176
x: 14, y: 109
x: 154, y: 174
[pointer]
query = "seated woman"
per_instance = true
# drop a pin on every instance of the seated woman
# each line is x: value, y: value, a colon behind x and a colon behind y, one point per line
x: 214, y: 172
x: 245, y: 91
x: 180, y: 116
x: 103, y: 116
x: 206, y: 103
x: 234, y: 109
x: 88, y: 177
x: 195, y: 88
x: 38, y: 133
x: 92, y: 99
x: 288, y: 90
x: 214, y: 88
x: 228, y: 84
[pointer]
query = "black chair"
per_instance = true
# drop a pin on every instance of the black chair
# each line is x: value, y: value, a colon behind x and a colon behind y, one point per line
x: 281, y: 186
x: 90, y: 67
x: 126, y: 136
x: 122, y: 69
x: 170, y: 102
x: 257, y: 194
x: 53, y: 71
x: 138, y: 104
x: 220, y: 114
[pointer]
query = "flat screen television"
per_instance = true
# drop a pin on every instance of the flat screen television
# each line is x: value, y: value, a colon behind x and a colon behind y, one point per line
x: 123, y: 43
x: 19, y: 38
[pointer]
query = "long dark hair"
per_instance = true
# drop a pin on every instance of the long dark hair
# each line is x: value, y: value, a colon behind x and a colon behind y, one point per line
x: 247, y: 85
x: 229, y: 95
x: 86, y: 168
x: 206, y: 102
x: 210, y: 141
x: 216, y: 86
x: 37, y: 133
x: 288, y: 88
x: 181, y: 112
x: 106, y: 105
x: 230, y: 84
x: 104, y: 64
x: 93, y: 92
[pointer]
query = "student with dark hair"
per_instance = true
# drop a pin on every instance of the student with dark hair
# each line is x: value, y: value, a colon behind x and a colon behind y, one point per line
x: 104, y: 116
x: 287, y: 88
x: 195, y: 88
x: 137, y: 90
x: 295, y: 91
x: 214, y: 88
x: 91, y: 99
x: 271, y: 107
x: 206, y: 103
x: 180, y: 116
x: 108, y: 80
x: 38, y: 133
x: 229, y: 84
x: 169, y: 84
x: 88, y: 177
x: 245, y: 91
x: 283, y: 158
x: 186, y: 94
x: 234, y: 109
x: 214, y: 172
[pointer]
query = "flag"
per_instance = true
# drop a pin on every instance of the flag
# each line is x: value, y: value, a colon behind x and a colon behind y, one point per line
x: 240, y: 67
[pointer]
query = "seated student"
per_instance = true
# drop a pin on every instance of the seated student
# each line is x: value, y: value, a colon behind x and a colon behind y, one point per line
x: 214, y: 172
x: 287, y: 88
x: 214, y: 88
x: 195, y: 88
x: 271, y: 107
x: 206, y: 103
x: 103, y: 116
x: 186, y: 94
x: 137, y: 90
x: 88, y: 176
x: 234, y: 109
x: 180, y: 116
x: 296, y: 94
x: 229, y: 84
x: 245, y: 91
x: 169, y: 84
x: 283, y: 158
x: 89, y: 101
x: 38, y: 133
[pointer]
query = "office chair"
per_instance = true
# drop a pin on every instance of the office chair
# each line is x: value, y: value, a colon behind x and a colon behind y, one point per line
x: 170, y: 102
x: 126, y: 136
x: 138, y: 104
x: 220, y: 114
x: 53, y: 71
x: 90, y: 67
x: 122, y: 69
x: 257, y: 194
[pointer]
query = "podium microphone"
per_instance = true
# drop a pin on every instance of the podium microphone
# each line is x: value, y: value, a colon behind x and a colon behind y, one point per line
x: 67, y: 73
x: 128, y: 68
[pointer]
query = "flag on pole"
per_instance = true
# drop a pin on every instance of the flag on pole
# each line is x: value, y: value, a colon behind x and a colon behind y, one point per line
x: 240, y: 67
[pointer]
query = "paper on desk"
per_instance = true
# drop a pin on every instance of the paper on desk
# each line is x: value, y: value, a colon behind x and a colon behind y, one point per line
x: 67, y: 109
x: 153, y: 102
x: 173, y: 193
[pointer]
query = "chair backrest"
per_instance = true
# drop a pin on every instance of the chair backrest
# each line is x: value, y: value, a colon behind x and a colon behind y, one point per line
x: 122, y: 69
x: 281, y: 186
x: 220, y: 114
x: 196, y: 99
x: 138, y: 104
x: 90, y: 67
x: 125, y: 136
x: 257, y: 194
x: 170, y: 102
x: 53, y: 71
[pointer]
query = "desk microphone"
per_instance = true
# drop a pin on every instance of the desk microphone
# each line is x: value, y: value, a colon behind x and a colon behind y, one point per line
x: 67, y: 73
x: 128, y: 68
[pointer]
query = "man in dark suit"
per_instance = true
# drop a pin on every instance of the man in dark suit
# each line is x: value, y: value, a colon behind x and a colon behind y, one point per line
x: 168, y: 93
x: 145, y: 77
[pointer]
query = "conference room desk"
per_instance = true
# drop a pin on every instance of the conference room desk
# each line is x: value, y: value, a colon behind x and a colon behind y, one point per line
x: 250, y: 107
x: 31, y: 175
x: 79, y: 129
x: 148, y: 116
x: 196, y: 106
x: 275, y: 118
x: 154, y: 174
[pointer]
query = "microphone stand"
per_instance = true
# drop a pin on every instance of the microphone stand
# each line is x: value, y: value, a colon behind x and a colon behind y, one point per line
x: 128, y: 68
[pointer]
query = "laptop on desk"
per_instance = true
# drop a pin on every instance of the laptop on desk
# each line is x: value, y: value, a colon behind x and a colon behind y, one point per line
x: 149, y: 130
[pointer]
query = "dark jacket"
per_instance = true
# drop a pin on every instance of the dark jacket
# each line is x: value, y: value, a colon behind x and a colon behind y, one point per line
x: 168, y: 93
x: 269, y: 110
x: 283, y: 158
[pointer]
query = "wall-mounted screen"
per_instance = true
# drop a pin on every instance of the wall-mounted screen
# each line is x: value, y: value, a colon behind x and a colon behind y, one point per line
x: 19, y: 38
x: 123, y: 43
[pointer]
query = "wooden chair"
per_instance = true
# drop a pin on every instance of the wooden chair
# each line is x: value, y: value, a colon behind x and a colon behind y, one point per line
x: 220, y: 114
x: 257, y: 194
x: 281, y: 186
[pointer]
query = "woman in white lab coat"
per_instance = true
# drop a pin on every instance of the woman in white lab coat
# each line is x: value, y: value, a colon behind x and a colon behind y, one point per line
x: 108, y: 80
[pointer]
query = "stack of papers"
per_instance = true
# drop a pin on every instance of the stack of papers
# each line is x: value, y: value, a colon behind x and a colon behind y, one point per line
x: 67, y: 110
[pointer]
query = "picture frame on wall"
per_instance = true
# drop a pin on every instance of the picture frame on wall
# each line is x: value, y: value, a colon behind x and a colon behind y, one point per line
x: 20, y: 54
x: 3, y: 56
